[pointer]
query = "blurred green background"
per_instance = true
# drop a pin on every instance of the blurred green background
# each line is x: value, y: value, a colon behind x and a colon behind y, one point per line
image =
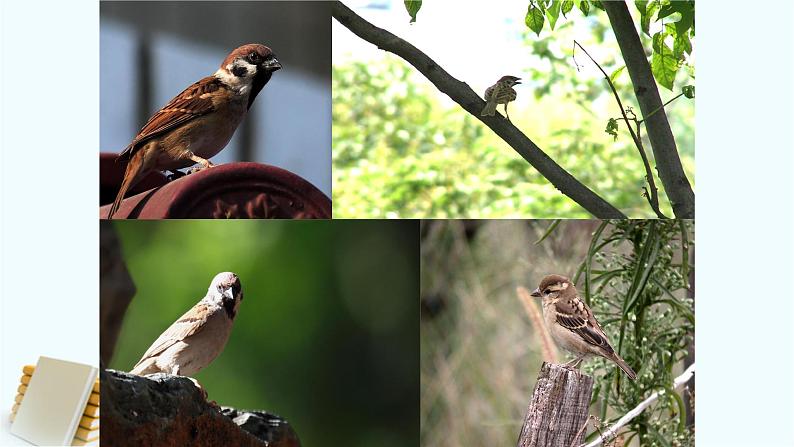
x: 327, y: 333
x: 402, y: 149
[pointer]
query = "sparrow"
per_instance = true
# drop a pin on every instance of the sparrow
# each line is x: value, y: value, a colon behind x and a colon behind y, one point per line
x: 200, y: 121
x: 500, y: 93
x: 572, y: 325
x: 196, y: 338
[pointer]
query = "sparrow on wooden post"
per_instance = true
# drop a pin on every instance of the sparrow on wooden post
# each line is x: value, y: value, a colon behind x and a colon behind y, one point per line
x: 500, y: 93
x: 572, y: 325
x: 198, y: 336
x: 200, y: 121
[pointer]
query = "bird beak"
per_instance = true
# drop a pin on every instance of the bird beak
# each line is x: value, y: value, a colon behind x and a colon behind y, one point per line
x: 272, y: 64
x: 536, y: 293
x: 227, y: 294
x: 518, y: 81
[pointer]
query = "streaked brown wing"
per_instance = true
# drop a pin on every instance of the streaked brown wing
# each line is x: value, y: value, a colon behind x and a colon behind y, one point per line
x: 505, y: 95
x: 188, y: 324
x: 189, y: 104
x: 581, y: 321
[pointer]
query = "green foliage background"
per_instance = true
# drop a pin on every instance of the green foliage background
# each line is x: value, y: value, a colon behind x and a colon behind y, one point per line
x: 400, y: 149
x: 327, y: 333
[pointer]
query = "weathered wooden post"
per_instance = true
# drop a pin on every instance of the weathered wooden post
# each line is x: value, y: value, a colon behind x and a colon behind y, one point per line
x: 558, y: 410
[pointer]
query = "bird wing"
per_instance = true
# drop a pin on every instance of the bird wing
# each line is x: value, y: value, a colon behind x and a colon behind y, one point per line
x: 574, y: 315
x: 187, y: 325
x: 505, y: 95
x: 193, y: 102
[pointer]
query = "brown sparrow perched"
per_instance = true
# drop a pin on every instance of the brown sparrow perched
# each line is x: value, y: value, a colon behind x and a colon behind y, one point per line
x: 572, y: 324
x: 200, y: 121
x: 196, y: 338
x: 500, y: 93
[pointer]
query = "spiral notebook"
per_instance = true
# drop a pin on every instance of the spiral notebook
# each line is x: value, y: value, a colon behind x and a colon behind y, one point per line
x: 54, y: 402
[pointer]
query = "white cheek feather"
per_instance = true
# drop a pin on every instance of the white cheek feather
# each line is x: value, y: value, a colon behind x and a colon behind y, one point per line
x: 240, y: 83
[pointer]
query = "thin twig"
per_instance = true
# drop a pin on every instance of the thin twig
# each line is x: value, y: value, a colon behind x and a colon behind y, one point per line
x: 661, y: 107
x: 677, y: 383
x: 653, y: 197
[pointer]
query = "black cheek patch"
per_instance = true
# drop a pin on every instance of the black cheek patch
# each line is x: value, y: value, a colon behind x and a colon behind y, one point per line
x: 239, y: 71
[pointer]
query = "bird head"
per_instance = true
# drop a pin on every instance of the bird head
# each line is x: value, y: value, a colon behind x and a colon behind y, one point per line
x: 552, y: 286
x: 248, y: 68
x: 227, y: 291
x: 510, y: 80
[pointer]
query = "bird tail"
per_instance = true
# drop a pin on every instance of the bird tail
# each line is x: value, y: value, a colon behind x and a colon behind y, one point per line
x: 131, y: 176
x: 490, y: 108
x: 623, y: 365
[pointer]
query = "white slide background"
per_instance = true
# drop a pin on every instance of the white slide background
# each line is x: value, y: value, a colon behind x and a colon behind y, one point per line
x: 49, y: 177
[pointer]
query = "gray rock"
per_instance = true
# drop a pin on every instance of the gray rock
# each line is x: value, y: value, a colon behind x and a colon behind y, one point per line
x: 166, y: 410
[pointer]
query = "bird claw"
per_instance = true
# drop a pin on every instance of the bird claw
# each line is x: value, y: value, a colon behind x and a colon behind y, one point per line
x: 174, y: 175
x: 200, y: 167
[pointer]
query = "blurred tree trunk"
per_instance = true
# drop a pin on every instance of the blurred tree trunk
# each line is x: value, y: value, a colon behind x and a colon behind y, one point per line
x: 116, y: 290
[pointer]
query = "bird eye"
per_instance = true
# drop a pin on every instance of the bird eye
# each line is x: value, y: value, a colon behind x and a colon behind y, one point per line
x: 547, y: 291
x: 254, y: 57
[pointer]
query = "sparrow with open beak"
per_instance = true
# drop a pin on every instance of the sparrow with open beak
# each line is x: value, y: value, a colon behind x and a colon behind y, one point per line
x: 572, y: 325
x: 200, y: 121
x: 198, y: 336
x: 500, y: 93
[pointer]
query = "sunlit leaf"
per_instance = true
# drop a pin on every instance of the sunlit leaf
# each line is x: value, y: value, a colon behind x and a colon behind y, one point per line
x: 645, y: 19
x: 664, y: 66
x: 553, y: 12
x: 567, y: 6
x: 616, y: 73
x: 413, y: 6
x: 584, y: 6
x: 534, y: 19
x: 612, y: 128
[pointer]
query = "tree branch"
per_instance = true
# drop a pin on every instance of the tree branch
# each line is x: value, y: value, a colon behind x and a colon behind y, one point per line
x: 653, y: 197
x: 462, y: 94
x: 636, y: 411
x: 668, y: 164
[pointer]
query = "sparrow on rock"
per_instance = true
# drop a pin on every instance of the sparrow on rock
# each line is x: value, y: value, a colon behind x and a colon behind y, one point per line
x: 196, y: 338
x: 500, y: 93
x: 572, y: 324
x: 200, y: 121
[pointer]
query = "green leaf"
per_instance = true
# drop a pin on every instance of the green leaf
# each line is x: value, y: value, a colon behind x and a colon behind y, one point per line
x: 682, y: 45
x: 413, y: 6
x: 664, y: 66
x: 687, y: 11
x: 549, y: 230
x: 689, y: 91
x: 616, y: 73
x: 534, y: 19
x: 645, y: 20
x: 553, y: 12
x: 612, y: 128
x: 567, y: 6
x: 658, y: 42
x: 584, y: 6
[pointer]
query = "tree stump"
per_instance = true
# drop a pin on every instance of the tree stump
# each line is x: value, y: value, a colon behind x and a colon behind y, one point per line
x: 559, y: 408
